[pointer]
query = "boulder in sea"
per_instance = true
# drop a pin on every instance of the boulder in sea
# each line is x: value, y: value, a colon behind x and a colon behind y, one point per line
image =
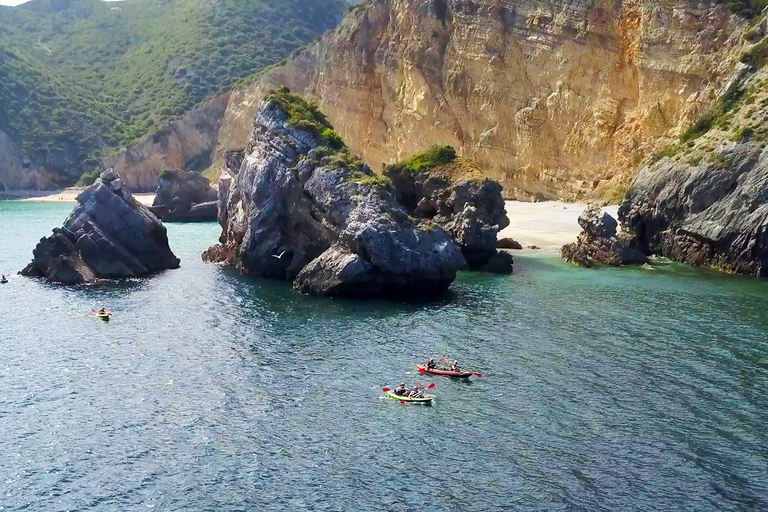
x: 302, y: 208
x: 600, y: 243
x: 440, y: 187
x: 109, y: 235
x: 184, y: 196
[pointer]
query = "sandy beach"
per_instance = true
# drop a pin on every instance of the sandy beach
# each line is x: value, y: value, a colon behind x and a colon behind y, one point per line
x: 68, y: 195
x: 548, y: 225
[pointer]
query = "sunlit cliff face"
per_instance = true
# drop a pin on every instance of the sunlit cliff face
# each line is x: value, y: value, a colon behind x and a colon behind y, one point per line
x: 563, y: 98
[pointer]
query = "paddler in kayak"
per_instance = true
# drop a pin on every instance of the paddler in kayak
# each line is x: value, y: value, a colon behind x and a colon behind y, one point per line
x: 431, y: 365
x: 102, y: 311
x: 401, y: 390
x: 3, y: 279
x: 415, y: 393
x: 455, y: 367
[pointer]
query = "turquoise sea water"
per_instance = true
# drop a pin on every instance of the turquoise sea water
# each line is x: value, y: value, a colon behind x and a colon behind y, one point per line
x: 602, y: 390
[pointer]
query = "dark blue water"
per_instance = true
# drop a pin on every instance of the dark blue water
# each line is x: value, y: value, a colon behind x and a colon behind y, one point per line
x: 607, y: 390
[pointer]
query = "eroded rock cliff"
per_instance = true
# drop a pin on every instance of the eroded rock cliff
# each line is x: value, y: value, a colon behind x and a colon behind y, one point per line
x: 704, y: 199
x: 303, y: 209
x: 552, y: 98
x: 186, y: 144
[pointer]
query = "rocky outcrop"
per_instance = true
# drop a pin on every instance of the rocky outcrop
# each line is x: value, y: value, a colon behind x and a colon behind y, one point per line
x: 108, y: 235
x: 509, y: 243
x: 186, y: 143
x: 599, y: 243
x: 707, y: 213
x: 551, y: 98
x: 184, y: 196
x: 453, y: 193
x: 299, y: 211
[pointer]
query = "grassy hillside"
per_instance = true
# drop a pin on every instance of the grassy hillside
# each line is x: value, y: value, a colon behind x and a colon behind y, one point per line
x: 78, y: 77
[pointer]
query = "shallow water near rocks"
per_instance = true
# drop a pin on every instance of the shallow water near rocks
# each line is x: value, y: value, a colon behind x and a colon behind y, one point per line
x: 613, y: 389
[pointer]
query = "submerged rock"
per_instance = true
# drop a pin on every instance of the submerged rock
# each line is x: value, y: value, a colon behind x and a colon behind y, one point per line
x: 711, y: 213
x: 184, y: 196
x: 453, y: 193
x: 108, y: 235
x: 303, y: 209
x: 599, y: 243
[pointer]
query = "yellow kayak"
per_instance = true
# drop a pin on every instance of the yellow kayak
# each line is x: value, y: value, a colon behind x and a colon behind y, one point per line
x: 103, y: 316
x: 427, y: 398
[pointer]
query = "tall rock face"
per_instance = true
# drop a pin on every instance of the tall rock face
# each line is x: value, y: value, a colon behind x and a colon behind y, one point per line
x: 553, y: 98
x: 300, y: 211
x: 712, y: 215
x: 186, y: 144
x: 704, y: 199
x: 109, y: 235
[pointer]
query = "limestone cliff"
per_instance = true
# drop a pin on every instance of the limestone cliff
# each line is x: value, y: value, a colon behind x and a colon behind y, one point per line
x: 704, y: 200
x: 554, y: 98
x: 186, y: 144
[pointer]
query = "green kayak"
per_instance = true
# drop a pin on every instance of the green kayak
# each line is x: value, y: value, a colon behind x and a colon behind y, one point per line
x: 427, y: 399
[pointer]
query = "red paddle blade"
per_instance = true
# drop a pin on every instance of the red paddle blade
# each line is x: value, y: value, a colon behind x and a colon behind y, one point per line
x: 442, y: 360
x: 477, y: 374
x: 402, y: 401
x: 385, y: 389
x: 431, y: 386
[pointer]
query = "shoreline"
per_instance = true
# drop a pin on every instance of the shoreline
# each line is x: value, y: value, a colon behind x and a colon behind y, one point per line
x: 548, y: 224
x: 67, y: 195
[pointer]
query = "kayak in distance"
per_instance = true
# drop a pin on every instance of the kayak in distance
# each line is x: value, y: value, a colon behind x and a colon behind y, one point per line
x: 447, y: 373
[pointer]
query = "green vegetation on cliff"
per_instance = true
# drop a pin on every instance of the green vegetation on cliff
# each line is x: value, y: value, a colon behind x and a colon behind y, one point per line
x: 80, y: 77
x: 305, y: 115
x: 439, y: 161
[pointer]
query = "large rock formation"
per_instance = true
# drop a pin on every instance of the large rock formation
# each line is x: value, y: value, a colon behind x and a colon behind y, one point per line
x: 712, y: 214
x: 600, y: 243
x: 186, y: 143
x: 551, y: 98
x: 302, y: 211
x: 108, y: 235
x: 704, y: 200
x: 452, y: 192
x: 184, y: 196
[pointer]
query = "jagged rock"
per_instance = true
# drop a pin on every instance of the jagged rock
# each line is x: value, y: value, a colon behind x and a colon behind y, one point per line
x: 302, y: 212
x: 233, y: 160
x: 599, y: 243
x: 453, y: 193
x: 184, y: 196
x: 108, y: 235
x: 508, y: 243
x: 713, y: 213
